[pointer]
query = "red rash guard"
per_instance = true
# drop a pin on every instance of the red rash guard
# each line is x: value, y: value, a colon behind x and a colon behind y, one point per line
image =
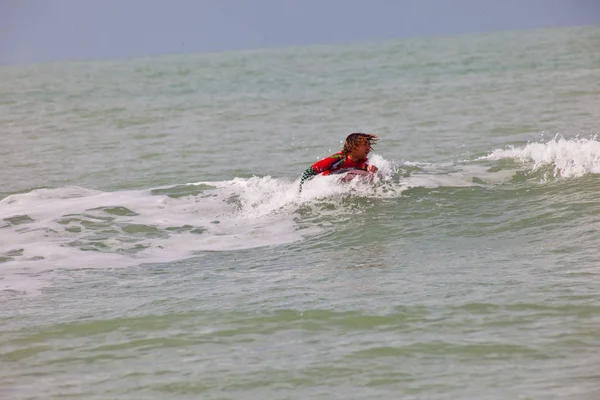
x: 337, y: 162
x: 334, y: 163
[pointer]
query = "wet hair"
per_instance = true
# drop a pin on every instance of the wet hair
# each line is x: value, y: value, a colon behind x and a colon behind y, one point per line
x: 356, y: 139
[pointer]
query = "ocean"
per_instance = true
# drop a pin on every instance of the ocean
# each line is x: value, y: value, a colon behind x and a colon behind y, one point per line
x: 154, y: 244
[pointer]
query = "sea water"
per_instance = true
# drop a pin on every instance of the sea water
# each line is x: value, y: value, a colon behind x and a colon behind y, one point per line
x: 154, y: 244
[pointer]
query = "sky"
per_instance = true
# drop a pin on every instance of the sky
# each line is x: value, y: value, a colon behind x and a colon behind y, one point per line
x: 53, y: 30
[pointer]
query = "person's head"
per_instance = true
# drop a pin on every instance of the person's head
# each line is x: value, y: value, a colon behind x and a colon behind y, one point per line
x: 359, y: 144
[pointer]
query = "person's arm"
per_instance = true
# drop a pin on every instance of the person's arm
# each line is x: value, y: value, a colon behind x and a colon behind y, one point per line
x: 308, y: 174
x: 317, y: 168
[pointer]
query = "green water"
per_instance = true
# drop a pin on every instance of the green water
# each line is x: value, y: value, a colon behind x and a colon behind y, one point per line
x: 153, y: 243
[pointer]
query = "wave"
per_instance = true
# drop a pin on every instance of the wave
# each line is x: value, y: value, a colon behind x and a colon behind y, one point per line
x: 567, y: 158
x: 79, y: 228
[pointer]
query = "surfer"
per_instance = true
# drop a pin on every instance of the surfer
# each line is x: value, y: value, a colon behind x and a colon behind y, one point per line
x: 352, y: 157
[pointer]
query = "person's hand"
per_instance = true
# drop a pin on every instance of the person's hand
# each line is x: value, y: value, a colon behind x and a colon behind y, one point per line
x: 372, y: 168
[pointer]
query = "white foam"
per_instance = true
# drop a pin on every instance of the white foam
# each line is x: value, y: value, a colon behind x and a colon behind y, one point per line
x: 49, y: 229
x: 71, y: 228
x: 385, y: 168
x: 568, y: 157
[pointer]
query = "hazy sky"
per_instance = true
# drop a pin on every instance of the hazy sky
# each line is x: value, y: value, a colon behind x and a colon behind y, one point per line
x: 47, y: 30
